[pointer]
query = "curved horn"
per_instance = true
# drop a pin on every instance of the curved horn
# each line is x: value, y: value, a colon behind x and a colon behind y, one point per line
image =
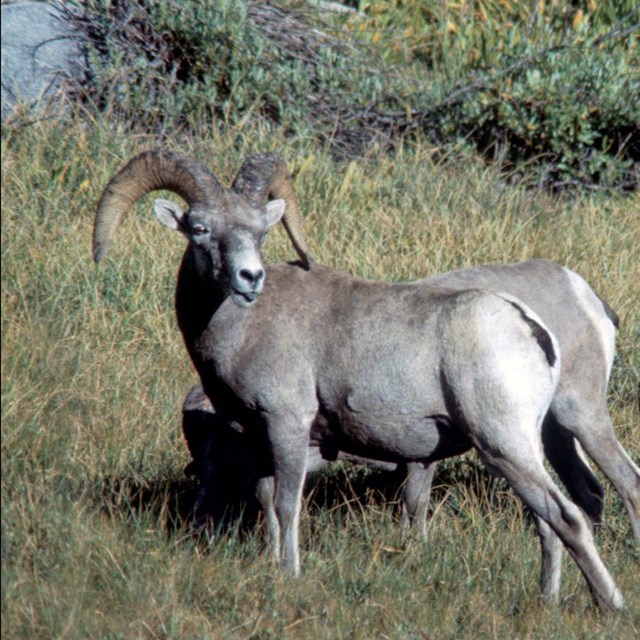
x: 266, y: 175
x: 148, y: 172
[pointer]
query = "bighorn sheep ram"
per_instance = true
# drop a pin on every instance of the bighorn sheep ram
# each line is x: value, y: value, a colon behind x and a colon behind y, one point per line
x: 585, y: 328
x: 410, y: 371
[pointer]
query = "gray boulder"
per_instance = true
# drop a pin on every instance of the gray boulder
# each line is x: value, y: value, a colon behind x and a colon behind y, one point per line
x: 41, y: 52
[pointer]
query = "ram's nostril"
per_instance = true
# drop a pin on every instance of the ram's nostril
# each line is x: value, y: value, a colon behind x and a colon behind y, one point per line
x: 252, y: 277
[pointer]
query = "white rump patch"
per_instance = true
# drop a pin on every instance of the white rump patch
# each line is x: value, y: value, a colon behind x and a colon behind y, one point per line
x: 594, y: 309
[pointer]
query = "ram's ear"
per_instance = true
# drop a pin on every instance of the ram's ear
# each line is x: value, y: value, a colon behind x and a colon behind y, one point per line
x: 170, y: 214
x: 273, y: 212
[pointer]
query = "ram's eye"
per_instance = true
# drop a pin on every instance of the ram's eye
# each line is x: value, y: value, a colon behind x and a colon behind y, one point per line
x: 199, y: 229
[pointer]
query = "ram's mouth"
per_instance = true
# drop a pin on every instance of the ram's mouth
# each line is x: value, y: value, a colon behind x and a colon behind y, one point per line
x: 244, y: 299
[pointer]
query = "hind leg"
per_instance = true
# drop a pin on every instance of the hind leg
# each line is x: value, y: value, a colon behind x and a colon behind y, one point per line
x: 585, y: 490
x: 522, y: 466
x: 562, y: 451
x: 551, y: 567
x: 593, y: 429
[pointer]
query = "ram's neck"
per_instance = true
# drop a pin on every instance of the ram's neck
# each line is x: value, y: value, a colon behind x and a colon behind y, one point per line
x: 197, y: 299
x: 212, y: 327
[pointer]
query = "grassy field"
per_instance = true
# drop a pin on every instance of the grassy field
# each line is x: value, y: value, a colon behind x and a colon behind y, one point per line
x: 94, y: 372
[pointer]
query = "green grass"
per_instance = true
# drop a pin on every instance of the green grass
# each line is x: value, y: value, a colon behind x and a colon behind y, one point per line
x: 94, y: 372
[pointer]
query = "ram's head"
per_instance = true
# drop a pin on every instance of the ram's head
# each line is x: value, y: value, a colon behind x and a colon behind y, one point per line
x: 225, y: 227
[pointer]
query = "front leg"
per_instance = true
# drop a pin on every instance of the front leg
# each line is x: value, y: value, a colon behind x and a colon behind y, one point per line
x: 289, y: 436
x: 264, y: 493
x: 415, y: 499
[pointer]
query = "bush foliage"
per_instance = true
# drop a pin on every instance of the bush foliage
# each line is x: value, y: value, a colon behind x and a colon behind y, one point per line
x: 547, y: 90
x: 166, y: 64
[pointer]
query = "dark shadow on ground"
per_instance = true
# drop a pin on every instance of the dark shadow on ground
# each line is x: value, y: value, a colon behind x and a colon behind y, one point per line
x: 340, y: 486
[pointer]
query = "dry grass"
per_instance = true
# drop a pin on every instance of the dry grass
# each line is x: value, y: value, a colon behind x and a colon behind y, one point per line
x: 93, y: 373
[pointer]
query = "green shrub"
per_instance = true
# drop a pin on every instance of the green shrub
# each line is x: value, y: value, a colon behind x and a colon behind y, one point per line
x: 550, y: 90
x: 566, y: 114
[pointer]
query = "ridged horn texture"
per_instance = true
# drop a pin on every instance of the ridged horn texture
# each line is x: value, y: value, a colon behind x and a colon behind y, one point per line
x: 265, y: 175
x: 146, y: 172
